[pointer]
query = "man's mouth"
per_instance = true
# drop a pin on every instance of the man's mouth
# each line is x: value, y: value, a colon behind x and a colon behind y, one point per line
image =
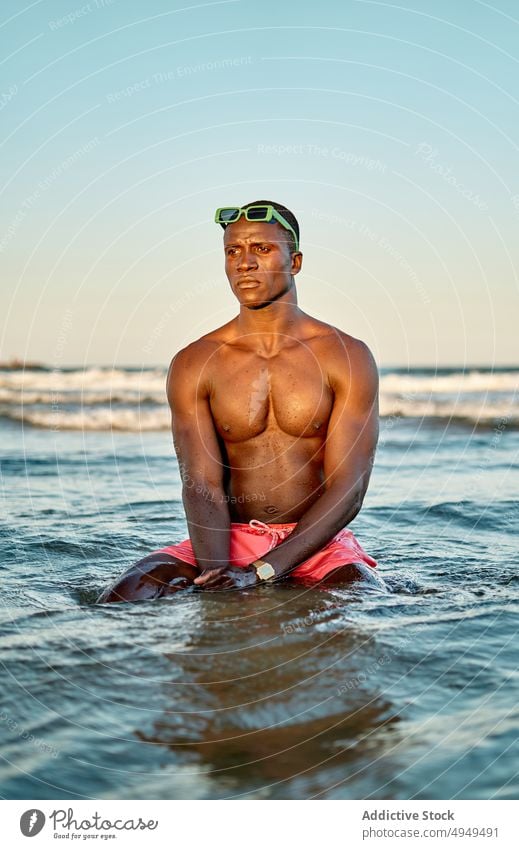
x: 247, y: 283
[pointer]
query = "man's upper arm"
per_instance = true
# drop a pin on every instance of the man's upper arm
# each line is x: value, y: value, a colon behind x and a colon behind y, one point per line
x: 353, y: 427
x: 194, y: 434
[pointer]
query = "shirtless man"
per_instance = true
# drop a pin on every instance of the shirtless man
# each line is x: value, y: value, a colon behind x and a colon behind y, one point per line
x: 275, y: 426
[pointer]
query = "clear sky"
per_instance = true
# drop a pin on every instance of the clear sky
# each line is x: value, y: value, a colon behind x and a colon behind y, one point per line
x: 390, y: 131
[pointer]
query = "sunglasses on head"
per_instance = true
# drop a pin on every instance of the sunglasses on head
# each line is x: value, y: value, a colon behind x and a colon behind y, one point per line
x: 265, y: 212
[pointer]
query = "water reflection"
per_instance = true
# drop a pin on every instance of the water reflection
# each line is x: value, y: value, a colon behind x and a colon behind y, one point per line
x: 273, y: 694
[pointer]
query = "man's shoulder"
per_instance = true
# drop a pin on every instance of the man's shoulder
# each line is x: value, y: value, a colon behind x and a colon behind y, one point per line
x: 347, y: 361
x: 340, y: 344
x: 199, y: 350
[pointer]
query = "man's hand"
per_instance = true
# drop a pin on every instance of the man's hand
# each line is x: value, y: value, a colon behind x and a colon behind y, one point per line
x: 227, y: 578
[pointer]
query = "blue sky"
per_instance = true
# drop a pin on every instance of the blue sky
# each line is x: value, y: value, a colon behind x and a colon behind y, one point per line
x: 390, y: 130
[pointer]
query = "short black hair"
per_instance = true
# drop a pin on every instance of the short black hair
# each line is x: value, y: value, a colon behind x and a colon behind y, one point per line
x: 285, y: 212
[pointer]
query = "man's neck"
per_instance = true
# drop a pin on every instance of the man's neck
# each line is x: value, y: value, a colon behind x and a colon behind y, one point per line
x: 272, y: 321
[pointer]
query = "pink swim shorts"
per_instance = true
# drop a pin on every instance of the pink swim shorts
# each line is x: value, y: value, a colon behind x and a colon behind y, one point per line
x: 255, y: 539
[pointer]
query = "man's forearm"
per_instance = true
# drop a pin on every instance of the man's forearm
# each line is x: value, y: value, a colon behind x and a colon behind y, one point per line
x: 209, y: 524
x: 326, y: 517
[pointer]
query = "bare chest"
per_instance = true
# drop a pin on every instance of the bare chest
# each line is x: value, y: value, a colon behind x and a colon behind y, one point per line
x: 285, y: 393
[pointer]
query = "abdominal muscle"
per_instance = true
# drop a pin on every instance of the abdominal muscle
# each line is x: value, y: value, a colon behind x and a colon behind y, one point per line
x: 274, y: 487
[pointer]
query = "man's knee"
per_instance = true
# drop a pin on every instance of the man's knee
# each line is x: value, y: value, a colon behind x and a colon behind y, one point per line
x: 152, y: 577
x: 350, y: 572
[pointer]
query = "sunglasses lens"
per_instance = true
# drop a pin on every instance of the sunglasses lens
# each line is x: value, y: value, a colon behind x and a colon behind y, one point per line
x: 257, y: 213
x: 229, y: 214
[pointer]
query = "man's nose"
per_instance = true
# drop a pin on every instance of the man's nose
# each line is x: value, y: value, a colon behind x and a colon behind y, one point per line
x: 247, y: 260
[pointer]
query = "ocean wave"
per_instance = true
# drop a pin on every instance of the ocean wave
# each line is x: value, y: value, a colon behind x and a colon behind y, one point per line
x: 135, y: 400
x: 471, y: 411
x: 153, y: 381
x: 158, y: 419
x: 89, y: 399
x: 85, y: 380
x: 453, y: 384
x: 105, y: 418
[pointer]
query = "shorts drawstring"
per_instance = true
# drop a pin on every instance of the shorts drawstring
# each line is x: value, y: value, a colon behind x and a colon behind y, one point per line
x: 262, y: 527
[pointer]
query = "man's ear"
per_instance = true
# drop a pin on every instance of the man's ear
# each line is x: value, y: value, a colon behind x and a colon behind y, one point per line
x: 297, y: 261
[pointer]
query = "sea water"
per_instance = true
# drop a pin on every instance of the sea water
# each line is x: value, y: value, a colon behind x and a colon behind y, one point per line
x: 406, y: 690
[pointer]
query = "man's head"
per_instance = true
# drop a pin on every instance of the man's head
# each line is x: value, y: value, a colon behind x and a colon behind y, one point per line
x: 262, y: 257
x: 263, y: 210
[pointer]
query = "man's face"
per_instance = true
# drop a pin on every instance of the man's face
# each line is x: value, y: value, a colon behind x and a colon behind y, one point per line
x: 258, y: 261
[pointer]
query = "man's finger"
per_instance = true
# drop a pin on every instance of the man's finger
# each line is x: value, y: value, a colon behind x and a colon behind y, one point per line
x: 217, y: 583
x: 208, y: 576
x: 222, y: 585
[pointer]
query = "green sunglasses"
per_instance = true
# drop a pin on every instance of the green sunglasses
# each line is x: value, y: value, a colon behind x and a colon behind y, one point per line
x: 229, y: 214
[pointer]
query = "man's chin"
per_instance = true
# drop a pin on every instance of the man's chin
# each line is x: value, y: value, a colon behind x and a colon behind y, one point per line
x: 258, y: 305
x: 254, y: 303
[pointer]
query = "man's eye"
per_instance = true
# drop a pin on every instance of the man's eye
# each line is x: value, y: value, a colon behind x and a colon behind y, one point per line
x: 232, y: 252
x: 264, y: 249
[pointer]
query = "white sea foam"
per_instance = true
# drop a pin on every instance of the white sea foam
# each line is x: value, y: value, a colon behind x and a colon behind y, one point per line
x: 456, y: 383
x: 154, y: 381
x: 87, y: 399
x: 105, y: 418
x: 85, y: 380
x: 477, y: 412
x: 141, y: 419
x: 120, y: 399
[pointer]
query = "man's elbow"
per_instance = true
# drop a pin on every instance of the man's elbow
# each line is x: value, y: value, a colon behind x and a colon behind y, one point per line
x: 356, y: 499
x: 350, y: 485
x: 201, y: 489
x: 350, y: 493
